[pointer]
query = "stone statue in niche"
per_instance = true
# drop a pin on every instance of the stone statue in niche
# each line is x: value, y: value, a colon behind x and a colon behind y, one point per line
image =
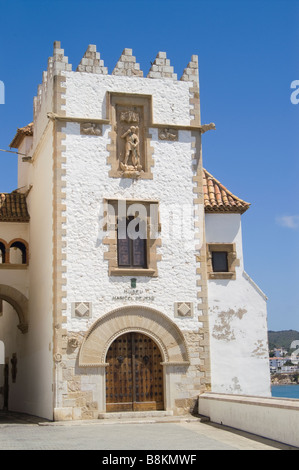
x: 131, y: 149
x: 130, y: 142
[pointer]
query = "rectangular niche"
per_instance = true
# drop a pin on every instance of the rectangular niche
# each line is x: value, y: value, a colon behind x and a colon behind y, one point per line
x: 130, y: 153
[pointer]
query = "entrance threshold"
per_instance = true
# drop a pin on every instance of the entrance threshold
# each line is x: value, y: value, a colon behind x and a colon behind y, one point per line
x: 135, y: 414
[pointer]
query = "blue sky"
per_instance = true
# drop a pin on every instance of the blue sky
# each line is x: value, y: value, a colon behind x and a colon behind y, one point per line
x: 248, y: 56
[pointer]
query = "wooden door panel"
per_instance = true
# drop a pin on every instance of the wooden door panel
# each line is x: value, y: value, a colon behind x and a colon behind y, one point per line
x: 134, y: 377
x: 119, y: 380
x: 148, y: 374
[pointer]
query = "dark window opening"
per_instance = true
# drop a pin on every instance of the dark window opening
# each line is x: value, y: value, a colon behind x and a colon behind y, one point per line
x: 23, y: 254
x: 2, y: 253
x: 131, y: 251
x: 219, y: 261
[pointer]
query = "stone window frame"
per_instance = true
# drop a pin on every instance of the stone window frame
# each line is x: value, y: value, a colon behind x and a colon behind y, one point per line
x: 5, y: 253
x: 152, y: 243
x: 232, y: 260
x: 129, y: 99
x: 25, y: 254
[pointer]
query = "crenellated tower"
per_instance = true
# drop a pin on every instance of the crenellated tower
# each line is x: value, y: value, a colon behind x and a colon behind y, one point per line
x: 135, y: 252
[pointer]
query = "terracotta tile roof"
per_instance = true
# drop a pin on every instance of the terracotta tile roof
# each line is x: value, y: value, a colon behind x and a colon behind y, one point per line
x: 13, y: 207
x: 217, y: 198
x: 21, y: 133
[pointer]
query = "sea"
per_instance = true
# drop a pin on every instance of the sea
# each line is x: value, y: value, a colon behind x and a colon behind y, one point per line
x: 285, y: 391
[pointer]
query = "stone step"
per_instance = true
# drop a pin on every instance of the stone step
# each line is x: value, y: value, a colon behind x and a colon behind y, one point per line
x: 135, y: 414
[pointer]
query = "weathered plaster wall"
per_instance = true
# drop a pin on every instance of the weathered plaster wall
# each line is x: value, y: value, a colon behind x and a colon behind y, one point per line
x: 170, y: 98
x: 88, y: 184
x: 238, y: 321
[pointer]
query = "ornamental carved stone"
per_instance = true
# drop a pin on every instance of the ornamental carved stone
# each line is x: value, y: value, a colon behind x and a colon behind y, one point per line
x: 130, y: 140
x: 168, y: 134
x: 57, y: 357
x: 183, y: 309
x: 73, y: 342
x: 91, y: 128
x: 130, y: 152
x: 131, y: 161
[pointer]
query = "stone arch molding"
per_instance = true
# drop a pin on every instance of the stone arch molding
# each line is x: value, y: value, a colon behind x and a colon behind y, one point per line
x: 148, y: 321
x: 19, y: 302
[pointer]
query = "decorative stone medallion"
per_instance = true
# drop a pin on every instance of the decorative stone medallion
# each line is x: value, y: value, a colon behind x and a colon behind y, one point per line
x: 183, y: 309
x: 81, y: 309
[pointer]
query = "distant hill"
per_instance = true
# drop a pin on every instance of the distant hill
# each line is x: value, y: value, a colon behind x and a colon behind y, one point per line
x: 282, y: 339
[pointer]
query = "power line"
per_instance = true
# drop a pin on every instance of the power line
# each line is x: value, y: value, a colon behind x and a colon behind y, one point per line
x: 11, y: 151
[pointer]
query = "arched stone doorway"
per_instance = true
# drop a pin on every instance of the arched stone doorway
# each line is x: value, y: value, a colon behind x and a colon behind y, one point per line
x: 19, y: 302
x: 146, y: 320
x: 150, y: 324
x: 134, y: 374
x: 14, y: 315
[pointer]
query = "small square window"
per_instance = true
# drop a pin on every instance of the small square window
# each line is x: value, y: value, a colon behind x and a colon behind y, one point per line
x: 219, y: 261
x: 222, y: 260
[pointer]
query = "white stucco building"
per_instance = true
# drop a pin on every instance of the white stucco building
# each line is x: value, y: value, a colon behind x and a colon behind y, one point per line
x: 122, y: 276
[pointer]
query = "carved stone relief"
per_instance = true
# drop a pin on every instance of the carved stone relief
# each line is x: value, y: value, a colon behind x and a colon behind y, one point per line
x: 81, y: 309
x: 73, y: 342
x: 130, y: 153
x: 183, y: 309
x: 130, y: 140
x: 168, y: 134
x: 91, y: 128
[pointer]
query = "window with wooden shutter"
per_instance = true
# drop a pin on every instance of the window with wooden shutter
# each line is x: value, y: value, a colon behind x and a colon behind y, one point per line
x: 132, y: 240
x: 131, y: 251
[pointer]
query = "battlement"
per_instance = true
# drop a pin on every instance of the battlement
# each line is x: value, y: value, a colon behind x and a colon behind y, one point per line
x: 126, y: 66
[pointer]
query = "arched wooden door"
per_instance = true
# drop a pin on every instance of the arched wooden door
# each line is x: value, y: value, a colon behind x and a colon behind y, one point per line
x: 134, y: 376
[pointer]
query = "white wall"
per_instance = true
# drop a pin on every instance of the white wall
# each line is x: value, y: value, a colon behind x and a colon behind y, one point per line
x: 32, y: 392
x: 38, y: 399
x: 86, y: 96
x: 88, y: 183
x: 237, y: 320
x: 11, y: 230
x: 272, y: 418
x: 24, y: 168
